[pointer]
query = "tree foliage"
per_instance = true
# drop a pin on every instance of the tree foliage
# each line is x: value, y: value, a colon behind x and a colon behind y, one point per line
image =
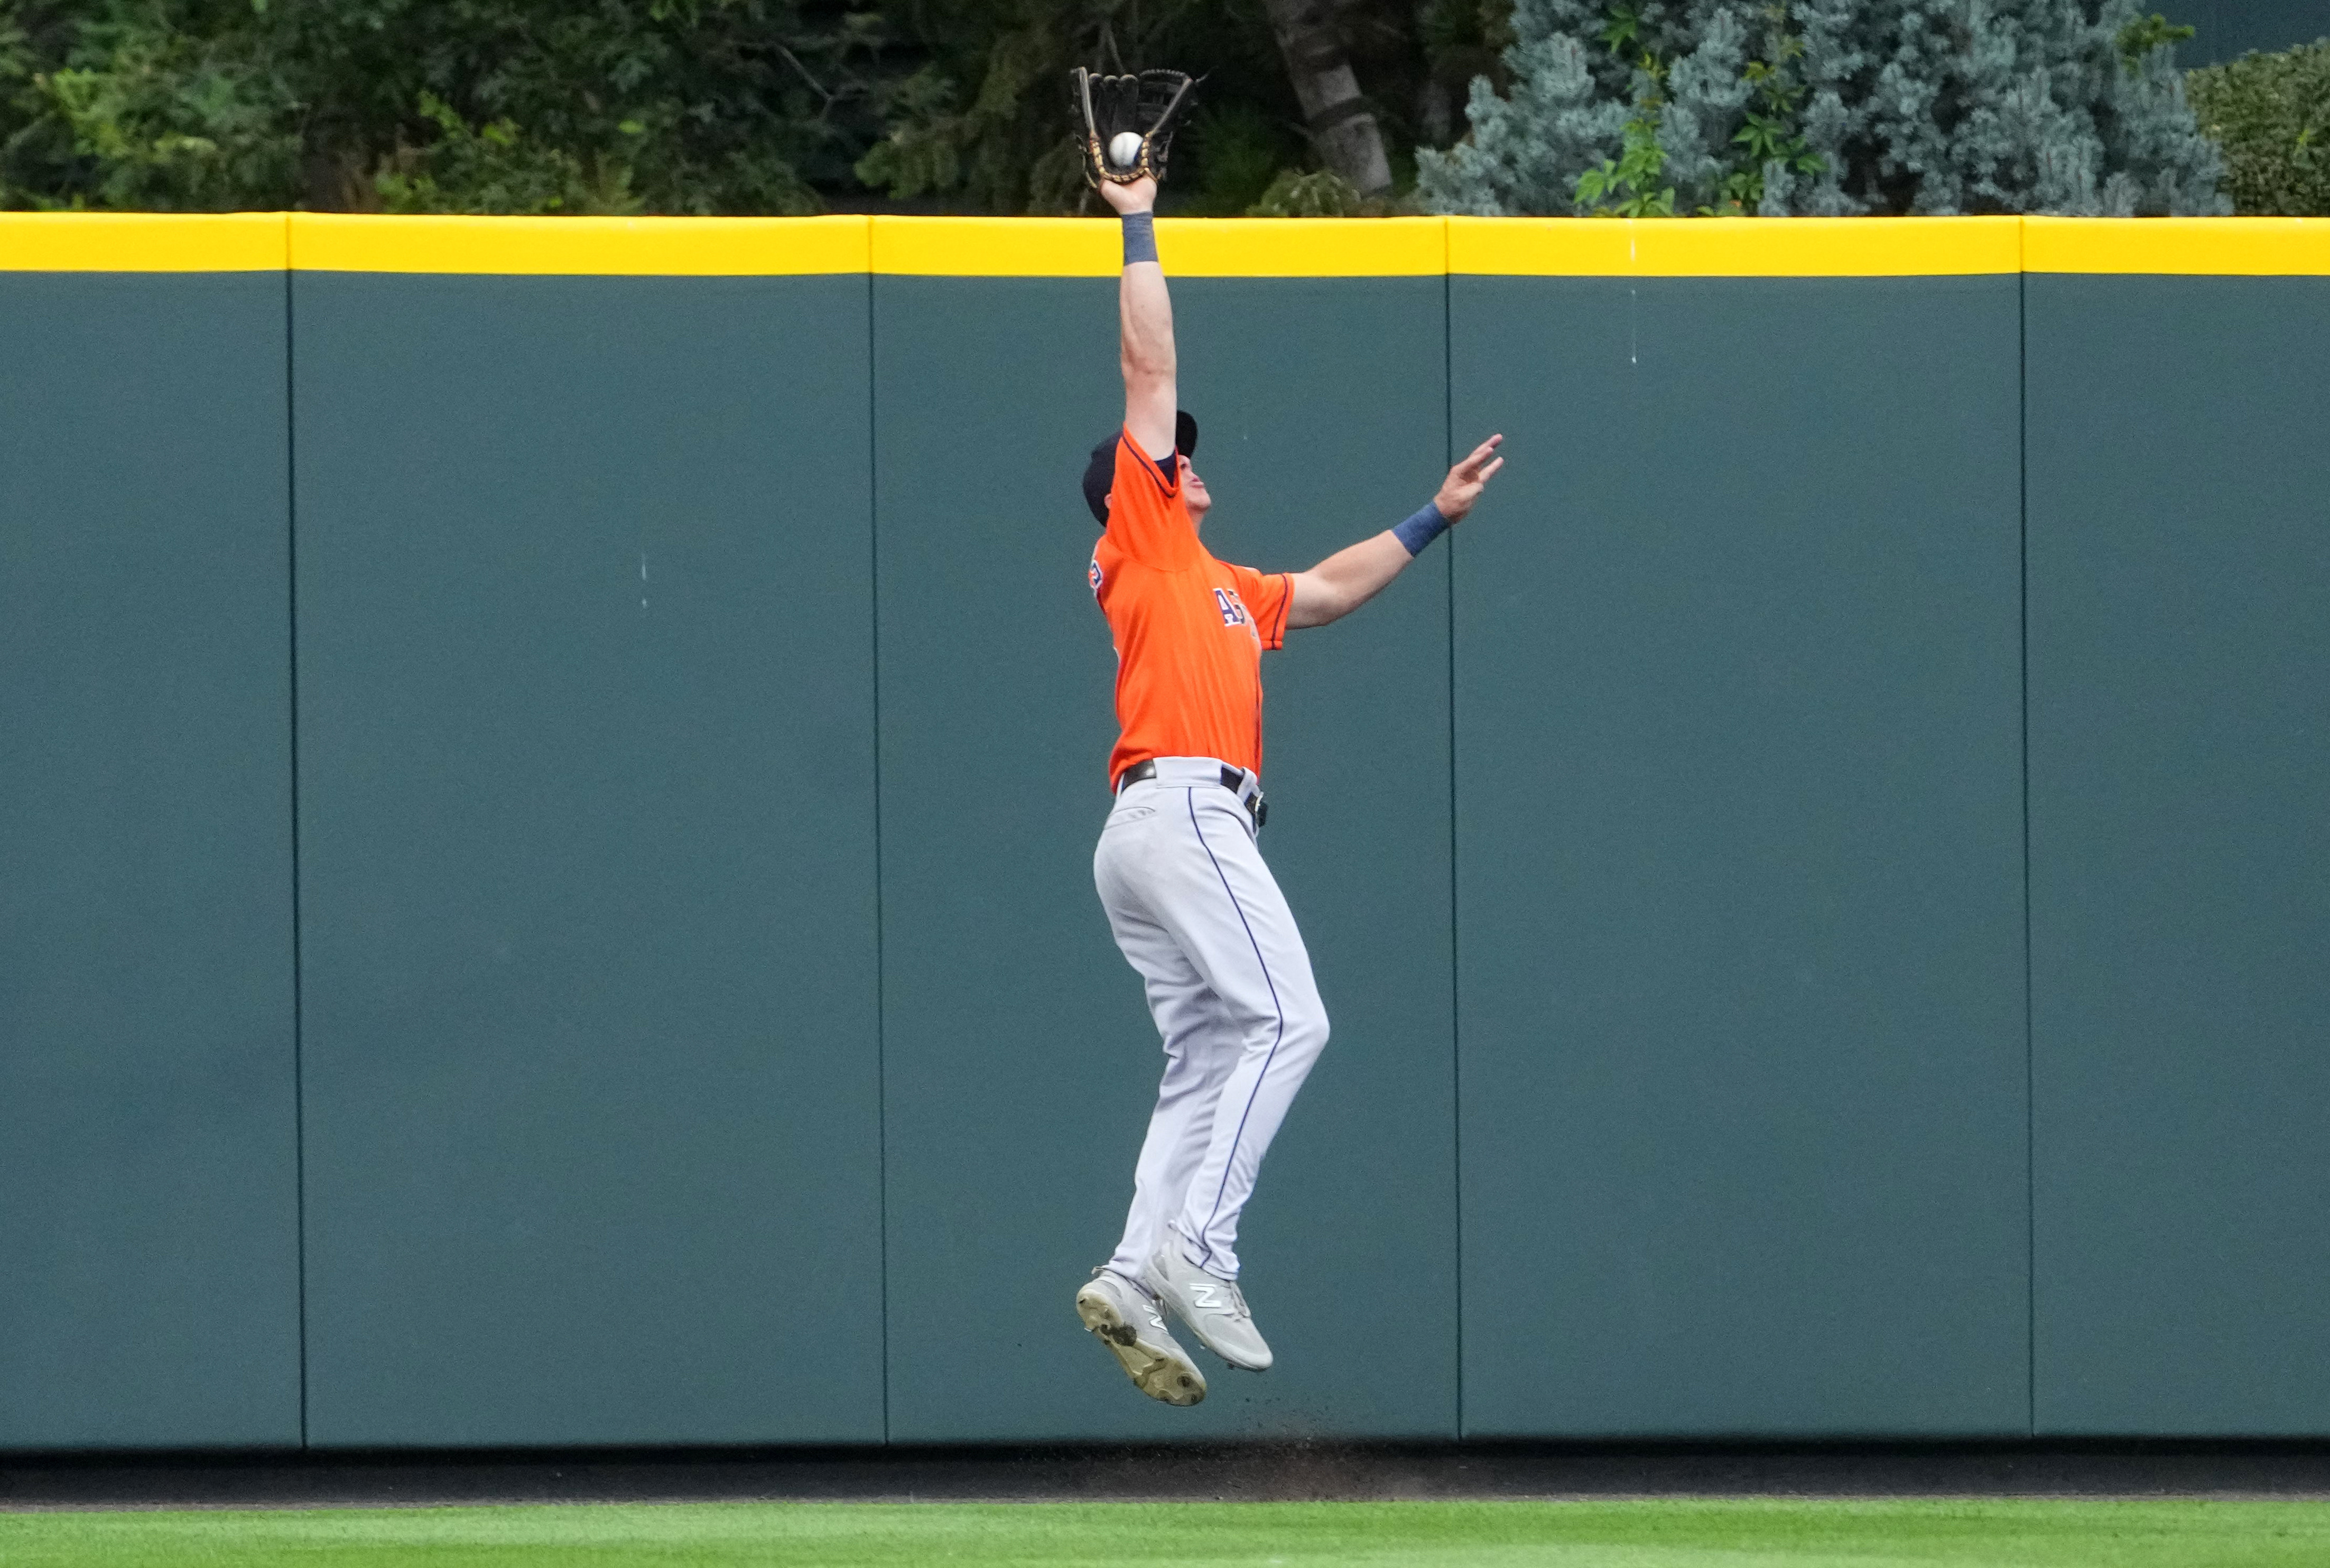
x: 979, y: 118
x: 1830, y: 107
x: 668, y: 105
x: 978, y: 115
x: 791, y: 106
x: 600, y: 106
x: 2271, y: 114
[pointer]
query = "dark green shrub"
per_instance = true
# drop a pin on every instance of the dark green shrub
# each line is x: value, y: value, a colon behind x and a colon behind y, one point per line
x: 2271, y: 114
x: 1296, y: 194
x: 1831, y: 107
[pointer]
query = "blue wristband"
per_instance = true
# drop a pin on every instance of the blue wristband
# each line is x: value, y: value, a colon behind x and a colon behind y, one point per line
x: 1421, y: 529
x: 1140, y: 237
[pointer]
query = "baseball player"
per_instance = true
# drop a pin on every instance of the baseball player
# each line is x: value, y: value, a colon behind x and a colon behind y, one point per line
x: 1193, y: 907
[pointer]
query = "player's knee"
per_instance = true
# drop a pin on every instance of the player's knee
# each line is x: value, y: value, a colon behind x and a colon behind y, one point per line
x: 1306, y: 1028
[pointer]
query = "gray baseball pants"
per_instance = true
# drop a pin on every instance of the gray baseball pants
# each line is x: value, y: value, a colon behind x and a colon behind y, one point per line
x: 1198, y: 916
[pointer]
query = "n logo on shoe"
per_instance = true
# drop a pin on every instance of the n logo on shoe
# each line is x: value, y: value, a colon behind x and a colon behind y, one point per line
x: 1204, y: 1296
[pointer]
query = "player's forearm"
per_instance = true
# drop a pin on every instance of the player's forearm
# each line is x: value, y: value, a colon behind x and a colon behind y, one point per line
x: 1145, y: 311
x: 1145, y: 316
x: 1346, y: 580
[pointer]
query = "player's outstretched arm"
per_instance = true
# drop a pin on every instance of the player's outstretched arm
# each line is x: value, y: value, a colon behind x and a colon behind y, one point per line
x: 1348, y: 578
x: 1145, y: 315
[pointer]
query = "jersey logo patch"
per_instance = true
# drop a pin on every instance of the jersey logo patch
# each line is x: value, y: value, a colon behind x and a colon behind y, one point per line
x: 1232, y: 607
x: 1095, y: 575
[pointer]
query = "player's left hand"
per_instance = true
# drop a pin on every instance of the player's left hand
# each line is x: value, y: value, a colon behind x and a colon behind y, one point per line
x: 1465, y: 481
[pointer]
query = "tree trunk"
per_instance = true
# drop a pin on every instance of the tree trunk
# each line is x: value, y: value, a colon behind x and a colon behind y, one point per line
x: 1341, y: 126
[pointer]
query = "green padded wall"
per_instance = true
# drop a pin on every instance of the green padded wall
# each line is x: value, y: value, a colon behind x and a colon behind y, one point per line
x: 1020, y: 1061
x: 2180, y: 853
x: 148, y: 1156
x: 1739, y: 874
x: 587, y: 860
x: 665, y: 1081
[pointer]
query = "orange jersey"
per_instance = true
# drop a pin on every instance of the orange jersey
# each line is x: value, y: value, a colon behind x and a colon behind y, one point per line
x: 1190, y: 631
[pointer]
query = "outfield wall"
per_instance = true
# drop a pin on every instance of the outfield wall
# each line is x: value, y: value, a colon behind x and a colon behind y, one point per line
x: 547, y: 896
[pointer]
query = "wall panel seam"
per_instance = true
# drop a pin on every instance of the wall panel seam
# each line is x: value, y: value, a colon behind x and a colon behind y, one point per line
x: 881, y: 991
x: 1456, y: 1003
x: 2029, y: 1074
x: 291, y: 635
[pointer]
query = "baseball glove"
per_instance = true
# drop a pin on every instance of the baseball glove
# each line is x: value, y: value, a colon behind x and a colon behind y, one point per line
x: 1147, y: 106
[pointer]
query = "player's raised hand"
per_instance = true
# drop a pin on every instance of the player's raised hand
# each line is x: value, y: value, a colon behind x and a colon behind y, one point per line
x: 1138, y: 196
x: 1465, y: 481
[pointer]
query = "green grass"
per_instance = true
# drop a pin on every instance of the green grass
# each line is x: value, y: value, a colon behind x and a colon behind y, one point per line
x: 1657, y: 1534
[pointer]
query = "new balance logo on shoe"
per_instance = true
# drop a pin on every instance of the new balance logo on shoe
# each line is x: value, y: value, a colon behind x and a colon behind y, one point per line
x: 1213, y: 1307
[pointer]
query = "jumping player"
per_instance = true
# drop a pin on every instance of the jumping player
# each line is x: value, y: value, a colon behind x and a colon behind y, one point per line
x: 1193, y: 907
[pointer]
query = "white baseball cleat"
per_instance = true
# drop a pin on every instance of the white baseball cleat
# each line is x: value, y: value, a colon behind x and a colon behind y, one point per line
x: 1214, y: 1308
x: 1130, y: 1321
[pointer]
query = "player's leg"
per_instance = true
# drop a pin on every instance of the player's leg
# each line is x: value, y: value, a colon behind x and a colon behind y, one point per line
x: 1241, y: 935
x: 1202, y: 1047
x: 1118, y: 1305
x: 1225, y: 912
x: 1202, y: 1042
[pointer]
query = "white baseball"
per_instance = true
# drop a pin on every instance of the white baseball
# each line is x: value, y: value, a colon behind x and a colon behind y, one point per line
x: 1124, y: 148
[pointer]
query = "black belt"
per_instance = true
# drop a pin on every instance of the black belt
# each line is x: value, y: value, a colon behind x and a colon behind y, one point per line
x: 1233, y: 780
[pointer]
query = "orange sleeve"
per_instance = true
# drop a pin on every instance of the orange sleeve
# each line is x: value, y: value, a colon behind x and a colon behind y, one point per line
x: 1266, y: 599
x: 1146, y: 515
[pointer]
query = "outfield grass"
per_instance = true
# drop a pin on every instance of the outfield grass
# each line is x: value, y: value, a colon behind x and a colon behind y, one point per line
x: 1654, y: 1534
